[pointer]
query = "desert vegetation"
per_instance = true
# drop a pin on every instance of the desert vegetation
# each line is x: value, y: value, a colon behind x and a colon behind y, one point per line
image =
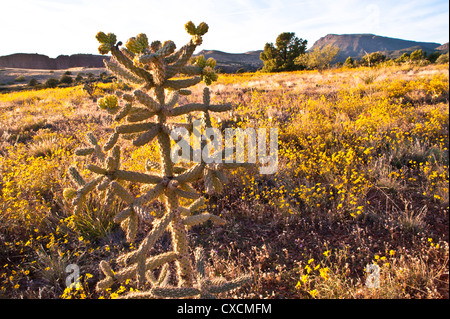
x: 362, y: 180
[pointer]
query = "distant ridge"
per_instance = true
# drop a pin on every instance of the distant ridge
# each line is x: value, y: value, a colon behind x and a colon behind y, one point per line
x: 40, y: 61
x: 443, y: 48
x: 231, y: 62
x: 356, y: 45
x: 228, y: 62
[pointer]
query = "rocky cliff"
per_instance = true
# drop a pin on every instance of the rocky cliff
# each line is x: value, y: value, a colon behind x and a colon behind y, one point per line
x: 357, y: 45
x: 39, y: 61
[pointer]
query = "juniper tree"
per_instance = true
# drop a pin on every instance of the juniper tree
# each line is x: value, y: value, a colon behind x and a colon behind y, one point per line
x: 281, y: 56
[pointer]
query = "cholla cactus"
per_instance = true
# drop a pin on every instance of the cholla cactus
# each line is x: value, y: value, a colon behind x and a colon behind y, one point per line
x: 151, y: 67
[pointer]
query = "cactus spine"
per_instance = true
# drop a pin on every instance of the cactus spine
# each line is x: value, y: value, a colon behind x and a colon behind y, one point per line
x: 152, y: 66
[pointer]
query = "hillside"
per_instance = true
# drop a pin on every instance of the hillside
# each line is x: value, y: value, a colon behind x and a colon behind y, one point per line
x: 356, y: 45
x: 443, y: 48
x: 230, y: 62
x: 40, y: 61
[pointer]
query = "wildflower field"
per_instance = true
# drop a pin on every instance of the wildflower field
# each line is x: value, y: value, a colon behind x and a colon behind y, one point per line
x: 362, y: 180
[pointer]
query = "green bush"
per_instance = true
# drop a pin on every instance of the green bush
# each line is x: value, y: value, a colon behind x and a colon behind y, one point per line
x: 20, y: 78
x: 349, y: 62
x: 66, y: 79
x: 373, y: 59
x: 51, y: 83
x: 442, y: 59
x: 33, y: 82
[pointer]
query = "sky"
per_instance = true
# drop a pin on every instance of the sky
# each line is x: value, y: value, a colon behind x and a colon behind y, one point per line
x: 55, y: 27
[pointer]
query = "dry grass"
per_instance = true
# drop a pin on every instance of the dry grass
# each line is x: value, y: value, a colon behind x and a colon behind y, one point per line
x: 362, y: 179
x: 9, y: 76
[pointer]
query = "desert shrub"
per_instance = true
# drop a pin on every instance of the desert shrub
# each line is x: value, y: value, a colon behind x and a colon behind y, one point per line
x: 33, y: 82
x: 43, y: 146
x: 442, y: 59
x: 432, y: 57
x: 66, y: 79
x: 373, y: 59
x: 51, y: 83
x: 349, y: 62
x: 417, y: 55
x: 319, y: 58
x: 78, y: 78
x: 20, y: 78
x: 405, y: 57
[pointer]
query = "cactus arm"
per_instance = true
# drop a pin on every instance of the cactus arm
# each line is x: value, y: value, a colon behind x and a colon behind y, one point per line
x: 137, y: 177
x: 158, y: 229
x: 148, y: 101
x: 172, y: 100
x: 188, y: 195
x: 84, y: 151
x: 186, y: 108
x: 76, y: 177
x: 209, y: 184
x: 147, y: 136
x: 196, y: 219
x: 197, y: 204
x: 230, y: 285
x: 150, y: 195
x: 182, y: 84
x: 120, y: 191
x: 192, y: 174
x: 128, y: 64
x: 124, y: 214
x: 135, y: 128
x: 96, y: 169
x: 122, y: 73
x: 139, y: 114
x: 123, y: 112
x: 111, y: 141
x: 174, y: 292
x: 129, y: 272
x: 191, y: 70
x: 220, y: 108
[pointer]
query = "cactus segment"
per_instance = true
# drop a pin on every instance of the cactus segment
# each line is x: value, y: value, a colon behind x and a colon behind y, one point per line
x: 123, y: 112
x: 84, y: 151
x: 139, y: 115
x: 137, y: 177
x: 182, y: 84
x: 134, y: 128
x: 147, y: 136
x: 76, y: 177
x: 148, y: 101
x: 120, y: 191
x: 119, y: 71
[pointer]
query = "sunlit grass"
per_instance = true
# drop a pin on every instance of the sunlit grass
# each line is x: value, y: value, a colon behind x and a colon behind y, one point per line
x: 356, y: 146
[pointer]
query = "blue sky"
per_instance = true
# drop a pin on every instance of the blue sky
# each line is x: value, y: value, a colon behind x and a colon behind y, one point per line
x: 55, y: 27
